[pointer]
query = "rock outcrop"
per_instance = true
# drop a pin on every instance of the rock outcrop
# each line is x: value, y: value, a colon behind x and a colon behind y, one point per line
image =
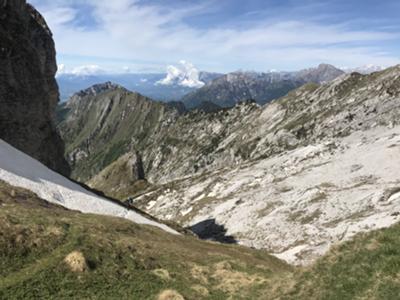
x: 28, y: 90
x: 122, y: 178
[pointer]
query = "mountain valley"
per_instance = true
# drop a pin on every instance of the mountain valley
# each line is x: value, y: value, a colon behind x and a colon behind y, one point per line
x: 275, y: 176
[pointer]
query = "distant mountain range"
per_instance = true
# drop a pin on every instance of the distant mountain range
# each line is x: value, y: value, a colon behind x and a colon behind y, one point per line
x: 179, y: 80
x: 146, y: 84
x: 232, y: 88
x: 185, y: 83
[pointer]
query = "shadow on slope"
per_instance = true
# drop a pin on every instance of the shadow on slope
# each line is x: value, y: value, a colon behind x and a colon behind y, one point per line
x: 211, y: 230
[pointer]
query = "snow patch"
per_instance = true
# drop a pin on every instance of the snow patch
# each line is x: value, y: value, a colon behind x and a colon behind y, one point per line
x: 18, y: 169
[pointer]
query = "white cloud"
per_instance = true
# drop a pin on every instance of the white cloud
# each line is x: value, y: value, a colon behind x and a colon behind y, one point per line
x: 85, y: 70
x: 126, y: 69
x: 131, y: 31
x: 61, y: 70
x: 365, y: 69
x: 59, y: 16
x: 185, y: 74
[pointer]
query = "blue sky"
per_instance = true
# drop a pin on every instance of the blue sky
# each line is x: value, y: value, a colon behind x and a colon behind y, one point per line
x: 222, y: 35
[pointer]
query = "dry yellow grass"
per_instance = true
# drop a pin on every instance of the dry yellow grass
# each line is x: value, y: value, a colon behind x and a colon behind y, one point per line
x: 200, y: 273
x: 170, y: 295
x: 232, y: 281
x: 76, y: 262
x: 201, y: 290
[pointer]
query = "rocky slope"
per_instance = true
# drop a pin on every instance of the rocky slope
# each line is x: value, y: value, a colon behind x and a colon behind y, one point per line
x: 295, y: 176
x: 306, y: 171
x: 228, y: 90
x: 28, y: 90
x: 197, y: 142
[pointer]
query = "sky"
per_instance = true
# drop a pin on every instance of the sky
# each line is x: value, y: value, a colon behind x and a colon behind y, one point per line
x: 221, y: 35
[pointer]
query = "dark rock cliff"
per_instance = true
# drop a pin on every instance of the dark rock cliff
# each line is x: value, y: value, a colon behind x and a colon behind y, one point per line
x: 28, y: 89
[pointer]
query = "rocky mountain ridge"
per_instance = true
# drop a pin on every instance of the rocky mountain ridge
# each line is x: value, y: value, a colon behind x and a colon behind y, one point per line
x: 100, y: 128
x: 318, y: 168
x: 227, y: 90
x: 196, y: 142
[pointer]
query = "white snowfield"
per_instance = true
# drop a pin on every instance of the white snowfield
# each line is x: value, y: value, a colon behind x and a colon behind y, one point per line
x: 20, y: 170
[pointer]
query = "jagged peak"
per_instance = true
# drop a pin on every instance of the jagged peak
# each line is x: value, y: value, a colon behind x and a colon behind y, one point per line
x: 99, y: 88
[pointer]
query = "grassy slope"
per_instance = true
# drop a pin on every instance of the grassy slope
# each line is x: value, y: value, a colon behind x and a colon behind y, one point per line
x: 116, y: 180
x: 129, y: 261
x: 123, y: 258
x: 367, y: 267
x: 110, y: 121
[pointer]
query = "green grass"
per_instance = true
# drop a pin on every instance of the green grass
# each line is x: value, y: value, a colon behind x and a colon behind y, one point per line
x: 124, y: 259
x: 106, y: 127
x: 35, y: 237
x: 366, y: 268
